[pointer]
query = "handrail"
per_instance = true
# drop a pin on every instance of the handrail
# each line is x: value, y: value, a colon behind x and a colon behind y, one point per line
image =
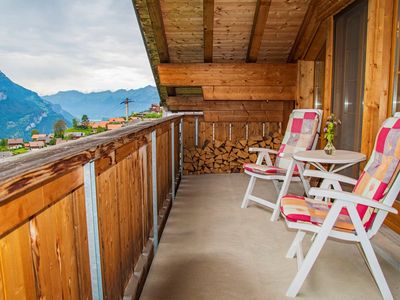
x: 27, y: 170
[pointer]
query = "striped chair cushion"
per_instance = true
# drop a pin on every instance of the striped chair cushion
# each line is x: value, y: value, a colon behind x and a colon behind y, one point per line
x: 381, y: 169
x: 299, y: 136
x: 266, y: 170
x: 302, y: 209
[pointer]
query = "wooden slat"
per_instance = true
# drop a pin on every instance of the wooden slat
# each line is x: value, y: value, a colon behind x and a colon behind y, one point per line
x: 208, y: 24
x: 16, y: 265
x: 318, y: 11
x: 228, y: 74
x: 257, y: 32
x: 305, y: 85
x: 243, y: 116
x: 108, y: 214
x: 81, y: 243
x: 54, y: 253
x: 377, y: 70
x: 249, y: 92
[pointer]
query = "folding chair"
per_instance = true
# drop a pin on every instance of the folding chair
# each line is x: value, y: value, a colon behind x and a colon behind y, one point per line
x: 301, y: 134
x: 355, y: 216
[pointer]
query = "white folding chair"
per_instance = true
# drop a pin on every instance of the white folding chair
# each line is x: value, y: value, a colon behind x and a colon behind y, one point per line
x: 355, y: 216
x: 301, y: 134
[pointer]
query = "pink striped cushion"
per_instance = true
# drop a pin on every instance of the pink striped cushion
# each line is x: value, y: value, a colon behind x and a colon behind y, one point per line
x: 266, y: 170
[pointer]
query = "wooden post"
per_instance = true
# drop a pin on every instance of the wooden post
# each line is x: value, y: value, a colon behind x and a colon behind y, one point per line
x: 377, y: 70
x: 154, y: 180
x: 93, y: 230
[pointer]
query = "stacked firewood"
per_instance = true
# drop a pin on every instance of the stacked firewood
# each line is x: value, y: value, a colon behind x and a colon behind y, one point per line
x: 225, y: 156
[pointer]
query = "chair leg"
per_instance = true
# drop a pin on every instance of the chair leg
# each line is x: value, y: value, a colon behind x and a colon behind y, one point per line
x: 295, y: 244
x: 283, y: 191
x: 249, y: 190
x: 276, y: 185
x: 374, y: 266
x: 314, y: 251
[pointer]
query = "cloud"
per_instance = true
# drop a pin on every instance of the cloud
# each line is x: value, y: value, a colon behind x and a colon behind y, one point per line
x: 49, y: 45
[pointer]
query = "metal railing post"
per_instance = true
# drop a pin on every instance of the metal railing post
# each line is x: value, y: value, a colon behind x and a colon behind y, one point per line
x: 196, y: 131
x: 154, y: 181
x: 181, y: 141
x: 173, y: 161
x: 93, y: 230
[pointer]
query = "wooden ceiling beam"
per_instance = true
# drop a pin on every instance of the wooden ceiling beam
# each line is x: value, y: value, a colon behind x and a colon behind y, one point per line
x: 227, y: 74
x: 317, y: 12
x: 257, y: 32
x: 208, y: 26
x: 196, y: 103
x: 157, y: 22
x: 154, y: 9
x: 248, y: 93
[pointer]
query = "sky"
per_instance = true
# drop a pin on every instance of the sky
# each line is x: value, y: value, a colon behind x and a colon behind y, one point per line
x: 56, y: 45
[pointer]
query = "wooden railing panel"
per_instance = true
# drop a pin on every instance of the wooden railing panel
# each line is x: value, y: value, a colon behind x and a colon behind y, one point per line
x: 43, y: 234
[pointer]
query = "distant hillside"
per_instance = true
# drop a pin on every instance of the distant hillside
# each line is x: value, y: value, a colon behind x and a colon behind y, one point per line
x: 105, y: 104
x: 21, y: 110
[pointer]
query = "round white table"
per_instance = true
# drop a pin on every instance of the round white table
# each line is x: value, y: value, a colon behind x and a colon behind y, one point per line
x: 344, y: 158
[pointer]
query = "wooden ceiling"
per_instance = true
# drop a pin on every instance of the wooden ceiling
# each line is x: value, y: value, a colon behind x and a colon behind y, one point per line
x: 233, y: 26
x: 229, y: 31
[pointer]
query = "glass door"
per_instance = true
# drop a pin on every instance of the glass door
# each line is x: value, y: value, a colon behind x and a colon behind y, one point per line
x: 349, y: 70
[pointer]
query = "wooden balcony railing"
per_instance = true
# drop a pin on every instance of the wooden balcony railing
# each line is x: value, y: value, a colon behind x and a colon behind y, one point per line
x: 77, y: 220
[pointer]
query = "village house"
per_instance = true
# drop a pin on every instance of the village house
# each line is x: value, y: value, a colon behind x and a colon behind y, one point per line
x: 15, y: 143
x: 74, y: 135
x: 36, y: 145
x: 98, y: 124
x: 114, y: 126
x: 116, y: 120
x: 155, y: 108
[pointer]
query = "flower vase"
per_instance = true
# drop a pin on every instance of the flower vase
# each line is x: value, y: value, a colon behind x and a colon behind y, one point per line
x: 329, y: 148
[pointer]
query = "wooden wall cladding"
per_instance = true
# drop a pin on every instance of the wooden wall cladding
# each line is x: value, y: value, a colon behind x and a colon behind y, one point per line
x: 43, y: 234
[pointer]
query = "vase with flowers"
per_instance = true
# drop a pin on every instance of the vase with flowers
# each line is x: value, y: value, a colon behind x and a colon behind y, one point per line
x: 329, y: 133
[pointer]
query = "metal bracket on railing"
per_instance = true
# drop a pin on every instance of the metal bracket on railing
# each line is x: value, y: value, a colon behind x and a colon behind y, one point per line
x: 213, y: 132
x: 230, y: 131
x: 263, y: 130
x: 196, y: 131
x: 154, y: 182
x: 247, y: 131
x: 93, y: 230
x: 173, y: 161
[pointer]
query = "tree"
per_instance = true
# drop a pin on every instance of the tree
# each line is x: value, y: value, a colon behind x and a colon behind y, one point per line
x: 59, y: 128
x: 3, y: 143
x: 75, y: 123
x: 34, y: 131
x: 85, y: 121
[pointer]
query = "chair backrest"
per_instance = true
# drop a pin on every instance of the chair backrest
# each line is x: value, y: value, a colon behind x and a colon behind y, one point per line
x: 381, y: 171
x: 301, y: 134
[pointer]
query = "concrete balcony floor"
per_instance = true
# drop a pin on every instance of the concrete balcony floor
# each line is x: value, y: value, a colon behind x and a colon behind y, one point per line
x: 213, y: 249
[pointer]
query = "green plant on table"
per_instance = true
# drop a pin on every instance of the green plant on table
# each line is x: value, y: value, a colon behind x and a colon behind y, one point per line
x: 329, y: 133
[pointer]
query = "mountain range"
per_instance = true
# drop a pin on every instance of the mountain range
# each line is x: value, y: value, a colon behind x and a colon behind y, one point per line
x: 22, y: 110
x: 106, y: 104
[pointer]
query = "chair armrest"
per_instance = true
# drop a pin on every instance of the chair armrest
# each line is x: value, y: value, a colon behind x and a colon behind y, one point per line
x: 267, y: 150
x: 329, y: 175
x: 350, y: 197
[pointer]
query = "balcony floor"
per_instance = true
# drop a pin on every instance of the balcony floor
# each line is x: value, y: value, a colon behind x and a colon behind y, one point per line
x: 213, y: 249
